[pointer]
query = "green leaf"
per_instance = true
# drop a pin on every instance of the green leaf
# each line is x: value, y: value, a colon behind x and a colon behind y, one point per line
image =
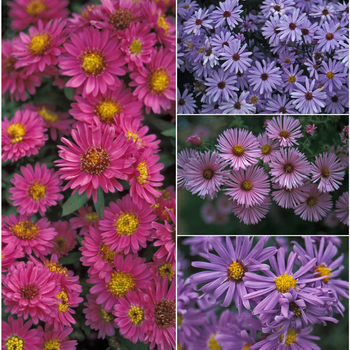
x: 169, y: 132
x: 71, y: 258
x: 100, y: 204
x: 128, y: 345
x: 68, y: 92
x: 73, y: 203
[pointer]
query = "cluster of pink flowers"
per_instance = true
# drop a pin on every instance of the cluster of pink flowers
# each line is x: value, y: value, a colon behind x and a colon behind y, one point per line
x: 106, y: 146
x: 245, y: 167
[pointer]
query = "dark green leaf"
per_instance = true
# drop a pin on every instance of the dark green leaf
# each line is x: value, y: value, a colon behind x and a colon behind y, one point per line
x: 73, y: 203
x: 100, y: 204
x: 71, y: 258
x: 169, y: 132
x: 68, y: 92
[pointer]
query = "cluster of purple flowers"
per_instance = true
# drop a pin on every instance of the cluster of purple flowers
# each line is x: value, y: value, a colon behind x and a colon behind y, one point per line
x: 244, y: 166
x: 290, y: 57
x: 283, y: 300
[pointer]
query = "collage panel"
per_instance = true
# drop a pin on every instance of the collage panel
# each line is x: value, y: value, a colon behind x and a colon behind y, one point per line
x: 266, y: 292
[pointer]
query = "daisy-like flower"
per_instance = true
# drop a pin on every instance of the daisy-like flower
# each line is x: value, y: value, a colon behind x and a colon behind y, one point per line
x: 221, y: 86
x: 17, y: 335
x: 265, y: 77
x: 36, y: 237
x: 325, y: 11
x: 342, y: 208
x: 278, y: 104
x: 23, y: 135
x: 133, y: 316
x: 95, y: 160
x: 235, y: 57
x: 284, y: 129
x: 41, y: 47
x: 58, y: 339
x: 183, y: 159
x: 310, y: 129
x: 227, y: 269
x: 238, y: 105
x: 84, y: 219
x: 198, y: 20
x: 161, y: 268
x: 332, y: 75
x: 26, y: 12
x: 205, y: 174
x: 288, y: 198
x: 328, y: 37
x: 65, y: 240
x: 125, y: 226
x: 29, y: 290
x: 36, y: 190
x: 98, y: 318
x: 138, y: 45
x: 290, y: 26
x: 9, y: 254
x: 163, y: 318
x: 329, y: 170
x: 290, y: 168
x: 268, y: 147
x: 239, y: 148
x: 290, y: 77
x: 186, y: 104
x: 91, y: 59
x: 155, y: 83
x: 228, y: 12
x: 248, y: 187
x: 315, y: 206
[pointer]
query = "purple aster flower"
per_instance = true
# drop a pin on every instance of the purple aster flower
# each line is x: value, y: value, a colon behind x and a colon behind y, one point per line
x: 200, y: 244
x: 342, y: 208
x: 343, y: 94
x: 287, y: 198
x: 198, y: 20
x: 265, y: 77
x: 238, y: 147
x: 308, y: 30
x: 276, y: 8
x: 221, y: 85
x: 305, y: 5
x: 271, y: 30
x: 222, y: 39
x: 256, y: 99
x: 227, y: 12
x: 235, y: 57
x: 268, y: 147
x: 307, y: 99
x: 228, y: 269
x: 290, y: 77
x: 291, y: 25
x: 238, y: 105
x: 332, y: 75
x: 183, y: 158
x: 286, y: 59
x: 211, y: 108
x: 280, y: 104
x: 328, y: 37
x: 312, y: 67
x: 186, y: 104
x: 186, y: 8
x: 333, y: 103
x: 186, y: 295
x: 242, y: 80
x: 342, y: 54
x: 325, y: 11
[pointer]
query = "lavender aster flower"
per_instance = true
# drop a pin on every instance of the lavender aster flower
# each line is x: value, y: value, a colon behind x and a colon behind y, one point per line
x: 228, y: 11
x: 186, y: 104
x: 235, y: 57
x: 198, y: 19
x: 290, y: 26
x: 332, y: 75
x: 221, y: 85
x: 238, y: 105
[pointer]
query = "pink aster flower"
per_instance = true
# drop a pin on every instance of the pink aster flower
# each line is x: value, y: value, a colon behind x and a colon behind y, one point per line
x: 310, y: 129
x: 183, y: 159
x: 163, y: 310
x: 315, y: 206
x: 84, y: 219
x: 36, y: 190
x: 9, y: 254
x: 23, y: 135
x: 248, y: 187
x: 36, y: 237
x: 98, y: 318
x: 29, y: 291
x: 329, y: 170
x: 113, y: 105
x: 155, y: 83
x: 146, y: 176
x: 161, y: 268
x: 92, y: 60
x: 268, y: 147
x: 289, y: 198
x: 126, y: 226
x: 41, y: 47
x: 138, y: 45
x: 95, y: 160
x: 133, y: 316
x: 65, y: 240
x: 26, y: 12
x: 16, y: 81
x: 239, y: 148
x: 290, y: 168
x: 17, y: 333
x: 195, y: 140
x: 129, y: 273
x: 342, y: 208
x: 284, y: 129
x: 58, y: 339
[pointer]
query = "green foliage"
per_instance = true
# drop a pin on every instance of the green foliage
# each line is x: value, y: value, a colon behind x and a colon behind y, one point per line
x: 100, y: 204
x: 73, y: 203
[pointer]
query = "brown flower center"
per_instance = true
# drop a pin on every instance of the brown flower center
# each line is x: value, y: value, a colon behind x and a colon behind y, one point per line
x: 121, y: 18
x: 181, y: 102
x: 95, y: 160
x: 284, y: 133
x: 29, y: 291
x: 288, y: 168
x: 208, y: 174
x: 221, y: 85
x: 164, y: 312
x: 292, y: 26
x: 198, y: 22
x: 308, y: 96
x: 264, y: 76
x: 329, y: 36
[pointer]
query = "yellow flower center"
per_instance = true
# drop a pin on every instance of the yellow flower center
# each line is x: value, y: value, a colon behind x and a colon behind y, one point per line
x: 166, y: 195
x: 266, y: 149
x: 14, y: 343
x: 247, y: 346
x: 25, y: 229
x: 85, y: 14
x: 93, y: 216
x: 323, y: 271
x: 238, y: 150
x: 35, y: 7
x: 52, y: 344
x: 213, y: 343
x: 179, y: 319
x: 162, y: 23
x: 93, y: 62
x: 287, y: 60
x: 60, y: 243
x: 158, y: 80
x: 135, y: 137
x: 330, y: 75
x: 254, y: 100
x: 166, y: 269
x: 106, y: 254
x: 284, y: 133
x: 107, y: 109
x: 48, y: 115
x: 37, y: 190
x: 126, y: 224
x: 143, y: 170
x: 291, y: 337
x: 135, y: 47
x: 121, y: 18
x: 106, y: 316
x: 236, y: 271
x: 201, y: 49
x: 95, y: 160
x: 40, y: 43
x: 325, y: 172
x: 284, y: 282
x: 312, y: 201
x: 186, y: 6
x: 292, y: 79
x: 16, y: 131
x: 136, y: 315
x: 120, y: 283
x: 246, y: 185
x: 56, y: 267
x: 64, y: 304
